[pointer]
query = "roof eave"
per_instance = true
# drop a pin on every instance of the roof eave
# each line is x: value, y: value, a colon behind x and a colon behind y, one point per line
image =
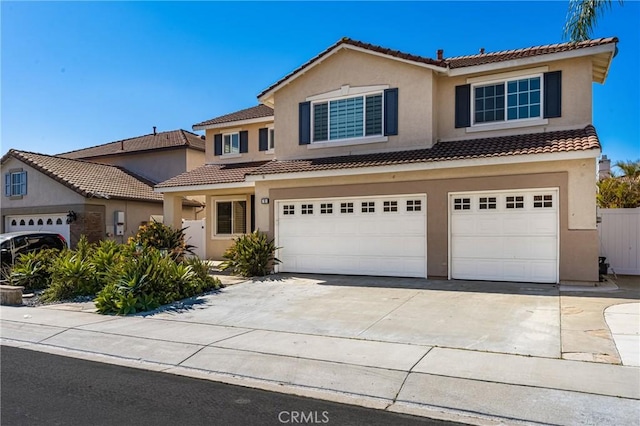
x: 206, y: 187
x: 235, y: 123
x: 430, y: 165
x: 537, y: 59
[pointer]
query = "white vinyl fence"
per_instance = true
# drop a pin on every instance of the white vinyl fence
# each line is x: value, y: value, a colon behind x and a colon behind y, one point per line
x: 195, y: 235
x: 619, y: 234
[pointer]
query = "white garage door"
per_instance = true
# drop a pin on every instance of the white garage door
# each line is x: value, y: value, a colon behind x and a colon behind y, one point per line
x: 39, y: 222
x: 505, y: 236
x: 361, y: 235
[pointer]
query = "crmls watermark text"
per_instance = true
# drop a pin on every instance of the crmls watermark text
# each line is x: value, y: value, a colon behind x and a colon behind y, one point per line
x: 303, y: 417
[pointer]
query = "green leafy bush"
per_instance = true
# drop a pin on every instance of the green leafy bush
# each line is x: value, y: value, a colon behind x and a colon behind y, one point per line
x: 163, y: 237
x: 149, y: 279
x: 250, y: 255
x: 71, y: 276
x: 33, y: 270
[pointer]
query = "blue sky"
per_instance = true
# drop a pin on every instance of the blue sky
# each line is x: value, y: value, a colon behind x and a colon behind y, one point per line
x: 79, y: 74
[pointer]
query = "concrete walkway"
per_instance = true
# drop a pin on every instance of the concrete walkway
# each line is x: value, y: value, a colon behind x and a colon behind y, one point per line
x: 357, y: 345
x: 624, y: 323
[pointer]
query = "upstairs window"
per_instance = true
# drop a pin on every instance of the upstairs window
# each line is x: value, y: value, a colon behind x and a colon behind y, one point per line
x: 508, y: 100
x: 15, y: 184
x: 366, y: 114
x: 516, y: 99
x: 231, y: 143
x: 353, y: 117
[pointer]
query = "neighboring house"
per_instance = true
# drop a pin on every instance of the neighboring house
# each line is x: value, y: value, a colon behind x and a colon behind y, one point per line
x: 75, y: 197
x: 385, y: 163
x: 155, y: 157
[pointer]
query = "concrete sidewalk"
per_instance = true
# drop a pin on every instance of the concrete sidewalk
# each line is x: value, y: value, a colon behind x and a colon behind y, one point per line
x: 475, y: 387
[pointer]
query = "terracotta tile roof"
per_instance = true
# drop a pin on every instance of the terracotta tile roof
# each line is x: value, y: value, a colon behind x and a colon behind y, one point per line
x: 453, y: 62
x: 368, y: 46
x: 91, y: 180
x: 161, y: 140
x: 258, y: 111
x: 508, y: 55
x: 212, y: 174
x: 534, y: 143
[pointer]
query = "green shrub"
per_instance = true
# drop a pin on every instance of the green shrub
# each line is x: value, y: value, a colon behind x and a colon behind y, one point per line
x: 33, y: 270
x: 149, y: 279
x: 250, y: 255
x: 71, y: 276
x: 160, y: 236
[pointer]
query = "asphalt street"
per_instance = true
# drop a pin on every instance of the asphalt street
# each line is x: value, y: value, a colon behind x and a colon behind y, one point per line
x: 43, y: 389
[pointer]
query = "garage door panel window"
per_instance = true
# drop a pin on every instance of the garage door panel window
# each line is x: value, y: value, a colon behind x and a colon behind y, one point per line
x: 346, y: 207
x: 515, y: 202
x: 326, y: 208
x: 390, y: 206
x: 487, y: 203
x: 414, y: 205
x: 543, y: 201
x: 462, y: 203
x: 231, y: 217
x: 289, y: 210
x: 307, y: 209
x: 368, y: 207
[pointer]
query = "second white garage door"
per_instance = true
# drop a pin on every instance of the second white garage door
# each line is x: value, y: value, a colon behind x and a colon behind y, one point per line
x: 505, y: 236
x: 361, y: 235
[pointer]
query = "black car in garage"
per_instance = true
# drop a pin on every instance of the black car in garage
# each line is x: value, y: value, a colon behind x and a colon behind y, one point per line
x: 13, y: 244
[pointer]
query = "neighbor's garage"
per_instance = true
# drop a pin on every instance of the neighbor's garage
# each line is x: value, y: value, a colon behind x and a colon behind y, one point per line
x: 504, y: 236
x: 39, y: 222
x: 361, y: 235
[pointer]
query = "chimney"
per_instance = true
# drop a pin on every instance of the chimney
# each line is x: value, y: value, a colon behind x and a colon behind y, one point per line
x: 604, y: 168
x: 482, y: 50
x: 154, y: 130
x: 440, y: 54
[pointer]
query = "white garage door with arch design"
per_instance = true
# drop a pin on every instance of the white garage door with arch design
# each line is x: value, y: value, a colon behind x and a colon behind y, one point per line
x: 39, y: 222
x: 383, y: 235
x: 504, y: 236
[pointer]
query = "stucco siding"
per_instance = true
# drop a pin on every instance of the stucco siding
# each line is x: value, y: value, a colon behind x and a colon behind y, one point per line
x: 156, y: 166
x: 348, y: 67
x: 576, y: 101
x: 41, y: 189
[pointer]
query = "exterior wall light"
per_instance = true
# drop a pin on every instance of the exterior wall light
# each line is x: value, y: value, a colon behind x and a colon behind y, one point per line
x: 264, y: 201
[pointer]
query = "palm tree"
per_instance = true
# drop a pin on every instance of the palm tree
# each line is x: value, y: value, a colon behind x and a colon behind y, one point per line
x: 582, y: 17
x: 630, y: 169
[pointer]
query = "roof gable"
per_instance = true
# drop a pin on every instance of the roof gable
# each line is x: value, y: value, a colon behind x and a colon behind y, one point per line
x: 447, y: 65
x: 91, y: 180
x: 154, y: 141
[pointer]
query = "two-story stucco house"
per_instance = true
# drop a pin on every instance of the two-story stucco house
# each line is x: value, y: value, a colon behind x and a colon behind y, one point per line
x: 371, y: 161
x: 105, y: 191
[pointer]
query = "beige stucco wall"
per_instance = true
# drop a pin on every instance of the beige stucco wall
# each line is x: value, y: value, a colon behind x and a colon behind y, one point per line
x: 157, y: 166
x: 41, y: 189
x: 576, y: 101
x: 253, y: 155
x: 195, y: 159
x: 348, y: 67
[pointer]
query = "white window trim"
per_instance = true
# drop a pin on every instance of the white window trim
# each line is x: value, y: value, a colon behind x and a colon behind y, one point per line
x: 214, y: 230
x: 506, y: 124
x: 345, y: 93
x: 230, y: 153
x: 270, y: 149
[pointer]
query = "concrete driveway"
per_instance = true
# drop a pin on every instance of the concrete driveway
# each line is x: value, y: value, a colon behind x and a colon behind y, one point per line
x: 507, y: 318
